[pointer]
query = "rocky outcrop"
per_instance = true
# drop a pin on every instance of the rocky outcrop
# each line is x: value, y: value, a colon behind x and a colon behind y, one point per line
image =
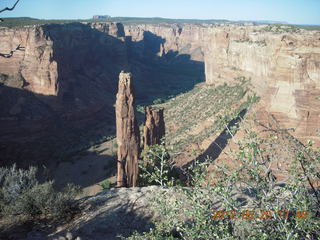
x: 66, y: 73
x: 282, y: 62
x: 123, y: 211
x: 53, y: 52
x: 154, y: 127
x: 173, y: 40
x: 60, y: 83
x: 128, y: 135
x: 34, y: 64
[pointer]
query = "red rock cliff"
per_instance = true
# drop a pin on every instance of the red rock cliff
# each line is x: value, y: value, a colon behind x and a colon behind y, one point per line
x: 70, y: 69
x: 282, y: 62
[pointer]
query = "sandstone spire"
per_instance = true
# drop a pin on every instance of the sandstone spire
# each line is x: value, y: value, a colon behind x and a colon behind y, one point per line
x: 154, y: 127
x: 128, y: 135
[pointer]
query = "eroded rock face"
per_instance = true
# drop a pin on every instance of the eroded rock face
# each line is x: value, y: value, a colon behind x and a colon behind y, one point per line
x: 66, y: 73
x: 174, y: 39
x: 61, y: 84
x: 57, y: 57
x: 283, y: 67
x: 154, y: 127
x: 128, y: 135
x: 283, y: 64
x: 35, y: 64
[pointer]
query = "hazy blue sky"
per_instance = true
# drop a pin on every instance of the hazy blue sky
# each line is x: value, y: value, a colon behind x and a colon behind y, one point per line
x: 292, y: 11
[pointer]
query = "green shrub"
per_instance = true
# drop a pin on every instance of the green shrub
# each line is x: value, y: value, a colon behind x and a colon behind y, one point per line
x: 106, y: 184
x: 21, y: 194
x: 157, y: 167
x: 158, y: 101
x: 186, y: 212
x: 140, y: 109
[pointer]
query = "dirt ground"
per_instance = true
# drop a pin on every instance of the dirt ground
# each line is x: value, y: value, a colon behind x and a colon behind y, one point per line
x: 88, y: 169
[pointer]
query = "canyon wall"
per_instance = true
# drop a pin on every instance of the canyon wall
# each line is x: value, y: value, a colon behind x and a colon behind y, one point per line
x: 58, y: 89
x: 73, y: 51
x: 57, y: 92
x: 65, y: 76
x: 174, y: 40
x: 283, y: 63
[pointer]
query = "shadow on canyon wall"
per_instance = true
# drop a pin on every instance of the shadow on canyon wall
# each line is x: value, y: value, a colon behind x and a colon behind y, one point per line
x: 161, y: 76
x: 45, y: 130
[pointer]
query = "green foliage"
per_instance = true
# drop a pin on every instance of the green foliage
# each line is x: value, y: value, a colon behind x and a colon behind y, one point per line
x: 197, y: 173
x: 186, y: 212
x: 25, y: 21
x: 220, y: 104
x: 261, y: 43
x: 253, y: 174
x: 3, y: 78
x: 21, y: 194
x: 158, y: 101
x: 106, y: 184
x: 140, y: 109
x: 278, y: 28
x: 157, y: 167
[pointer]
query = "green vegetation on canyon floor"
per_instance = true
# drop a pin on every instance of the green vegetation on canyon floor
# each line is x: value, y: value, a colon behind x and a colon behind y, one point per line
x: 245, y: 183
x: 248, y: 183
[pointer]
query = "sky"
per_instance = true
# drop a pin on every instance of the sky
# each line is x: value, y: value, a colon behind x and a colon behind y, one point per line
x: 291, y: 11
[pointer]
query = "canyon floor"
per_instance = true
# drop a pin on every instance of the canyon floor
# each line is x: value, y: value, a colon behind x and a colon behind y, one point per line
x: 215, y: 82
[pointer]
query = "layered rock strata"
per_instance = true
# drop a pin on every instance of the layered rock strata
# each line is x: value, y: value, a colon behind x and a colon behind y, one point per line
x: 66, y: 73
x: 281, y: 61
x: 57, y: 89
x: 154, y: 127
x: 283, y: 67
x: 128, y: 135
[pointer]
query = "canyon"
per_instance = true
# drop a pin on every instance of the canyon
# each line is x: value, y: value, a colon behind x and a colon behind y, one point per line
x: 58, y: 92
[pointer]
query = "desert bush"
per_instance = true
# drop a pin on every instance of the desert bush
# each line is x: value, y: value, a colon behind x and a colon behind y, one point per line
x: 21, y: 194
x: 140, y: 109
x: 264, y: 209
x: 106, y: 184
x: 158, y: 101
x: 157, y: 167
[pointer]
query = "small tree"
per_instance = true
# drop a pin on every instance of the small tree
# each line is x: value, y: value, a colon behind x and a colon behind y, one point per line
x: 157, y: 167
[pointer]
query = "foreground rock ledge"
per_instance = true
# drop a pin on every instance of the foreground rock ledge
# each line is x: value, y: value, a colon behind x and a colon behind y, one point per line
x: 123, y: 211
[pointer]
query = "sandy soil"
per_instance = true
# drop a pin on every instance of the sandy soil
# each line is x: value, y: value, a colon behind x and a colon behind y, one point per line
x: 88, y: 168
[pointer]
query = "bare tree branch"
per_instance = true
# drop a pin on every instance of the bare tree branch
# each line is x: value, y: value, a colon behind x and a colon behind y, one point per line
x: 9, y: 9
x: 8, y: 55
x: 18, y: 48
